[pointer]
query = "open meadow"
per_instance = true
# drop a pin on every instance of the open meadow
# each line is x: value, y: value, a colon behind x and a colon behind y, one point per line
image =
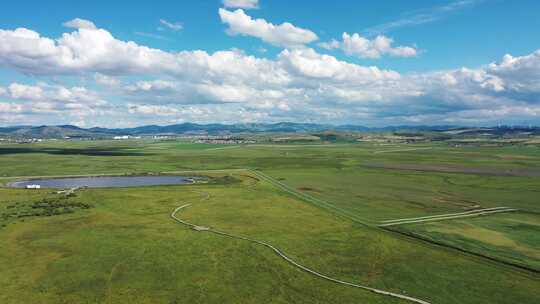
x: 325, y: 205
x: 270, y: 152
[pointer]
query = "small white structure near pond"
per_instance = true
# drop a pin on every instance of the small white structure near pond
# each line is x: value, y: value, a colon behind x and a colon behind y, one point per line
x: 33, y: 186
x: 200, y: 228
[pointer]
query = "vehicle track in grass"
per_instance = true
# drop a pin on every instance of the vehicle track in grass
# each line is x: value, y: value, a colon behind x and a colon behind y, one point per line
x: 443, y: 217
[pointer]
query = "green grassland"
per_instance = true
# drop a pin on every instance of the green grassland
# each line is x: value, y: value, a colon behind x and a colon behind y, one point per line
x: 120, y: 245
x: 511, y: 237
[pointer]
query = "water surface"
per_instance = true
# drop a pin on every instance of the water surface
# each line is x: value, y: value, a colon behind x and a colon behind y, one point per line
x: 105, y: 181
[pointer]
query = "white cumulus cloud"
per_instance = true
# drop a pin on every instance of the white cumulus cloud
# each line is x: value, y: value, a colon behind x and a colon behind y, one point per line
x: 285, y: 34
x: 106, y: 80
x: 308, y: 63
x: 79, y: 23
x: 356, y: 45
x: 10, y: 108
x: 21, y: 91
x: 299, y: 84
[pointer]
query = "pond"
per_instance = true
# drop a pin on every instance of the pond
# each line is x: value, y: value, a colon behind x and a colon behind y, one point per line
x: 106, y: 181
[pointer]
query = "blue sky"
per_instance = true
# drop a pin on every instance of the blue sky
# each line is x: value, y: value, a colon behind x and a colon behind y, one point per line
x: 125, y: 63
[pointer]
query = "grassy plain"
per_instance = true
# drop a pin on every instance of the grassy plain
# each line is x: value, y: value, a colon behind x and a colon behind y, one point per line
x: 512, y: 237
x: 125, y: 247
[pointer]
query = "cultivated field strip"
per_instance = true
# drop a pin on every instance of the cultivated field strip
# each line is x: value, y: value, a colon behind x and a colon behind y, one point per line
x: 448, y: 216
x: 291, y: 261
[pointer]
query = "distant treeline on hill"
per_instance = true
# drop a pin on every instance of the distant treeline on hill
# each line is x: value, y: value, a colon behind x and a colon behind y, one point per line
x: 63, y: 131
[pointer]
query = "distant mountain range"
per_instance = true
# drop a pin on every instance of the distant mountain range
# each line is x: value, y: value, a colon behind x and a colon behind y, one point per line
x: 63, y: 131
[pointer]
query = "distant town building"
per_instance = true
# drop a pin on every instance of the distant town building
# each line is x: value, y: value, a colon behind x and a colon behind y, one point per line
x: 121, y: 137
x: 162, y: 137
x: 223, y: 140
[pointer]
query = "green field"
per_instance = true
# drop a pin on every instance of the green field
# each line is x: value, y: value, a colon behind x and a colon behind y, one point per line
x: 511, y: 237
x: 321, y: 205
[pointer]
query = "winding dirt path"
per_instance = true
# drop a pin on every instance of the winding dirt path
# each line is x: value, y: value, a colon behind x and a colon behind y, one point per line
x: 289, y: 260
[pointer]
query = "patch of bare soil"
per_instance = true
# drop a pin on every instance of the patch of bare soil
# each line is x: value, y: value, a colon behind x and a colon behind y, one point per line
x: 309, y: 189
x: 251, y: 180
